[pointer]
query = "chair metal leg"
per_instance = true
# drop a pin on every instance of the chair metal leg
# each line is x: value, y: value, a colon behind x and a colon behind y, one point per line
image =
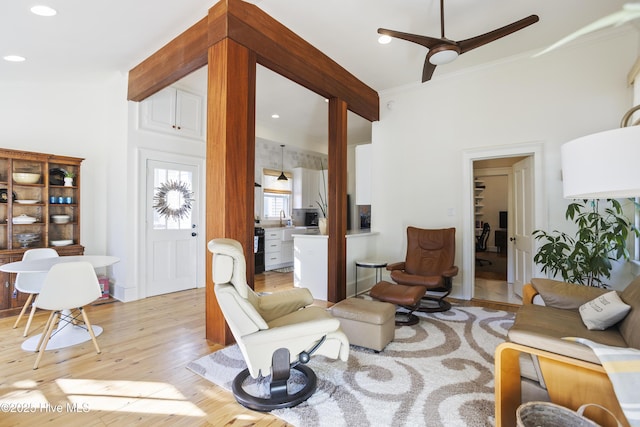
x: 90, y: 329
x: 24, y: 308
x: 279, y: 396
x: 44, y: 339
x: 406, y: 318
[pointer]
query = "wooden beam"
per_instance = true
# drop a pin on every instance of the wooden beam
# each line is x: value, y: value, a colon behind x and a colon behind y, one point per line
x: 276, y: 47
x: 178, y: 58
x: 281, y: 50
x: 337, y: 187
x: 230, y: 163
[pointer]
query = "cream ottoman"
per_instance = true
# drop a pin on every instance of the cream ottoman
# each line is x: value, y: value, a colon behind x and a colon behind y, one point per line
x: 366, y: 323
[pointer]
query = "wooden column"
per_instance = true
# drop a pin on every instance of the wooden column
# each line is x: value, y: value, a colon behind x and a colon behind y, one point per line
x: 230, y: 162
x: 232, y: 39
x: 337, y: 188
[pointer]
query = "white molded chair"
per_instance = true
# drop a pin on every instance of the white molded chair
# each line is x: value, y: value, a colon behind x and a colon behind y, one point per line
x: 31, y: 283
x: 68, y: 286
x: 275, y: 333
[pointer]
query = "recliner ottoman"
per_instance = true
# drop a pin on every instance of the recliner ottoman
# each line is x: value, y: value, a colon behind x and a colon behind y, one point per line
x: 366, y: 323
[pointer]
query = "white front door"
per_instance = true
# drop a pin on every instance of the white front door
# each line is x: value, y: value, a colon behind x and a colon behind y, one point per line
x: 523, y: 223
x: 171, y: 226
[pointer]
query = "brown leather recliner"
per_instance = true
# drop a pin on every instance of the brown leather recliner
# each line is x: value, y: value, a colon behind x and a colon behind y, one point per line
x: 429, y: 263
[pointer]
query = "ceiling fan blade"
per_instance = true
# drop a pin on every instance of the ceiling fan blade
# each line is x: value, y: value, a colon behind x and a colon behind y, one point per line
x: 427, y: 70
x: 629, y: 12
x: 425, y: 41
x: 474, y: 42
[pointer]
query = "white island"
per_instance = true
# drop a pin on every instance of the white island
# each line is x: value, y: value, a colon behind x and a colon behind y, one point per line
x: 311, y: 262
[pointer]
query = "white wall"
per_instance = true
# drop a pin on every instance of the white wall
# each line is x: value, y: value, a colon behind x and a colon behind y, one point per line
x: 79, y: 119
x: 418, y: 144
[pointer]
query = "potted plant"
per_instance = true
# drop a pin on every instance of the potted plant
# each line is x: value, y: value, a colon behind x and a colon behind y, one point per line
x: 322, y: 203
x: 586, y: 258
x: 68, y: 179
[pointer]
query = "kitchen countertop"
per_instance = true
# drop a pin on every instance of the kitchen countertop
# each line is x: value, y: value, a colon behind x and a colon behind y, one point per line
x: 350, y: 234
x: 266, y: 226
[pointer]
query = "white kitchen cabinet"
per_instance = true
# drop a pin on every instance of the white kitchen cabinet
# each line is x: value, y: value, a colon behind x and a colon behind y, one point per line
x: 272, y: 248
x: 278, y: 251
x: 286, y: 253
x: 173, y: 111
x: 364, y: 174
x: 311, y: 262
x: 306, y: 188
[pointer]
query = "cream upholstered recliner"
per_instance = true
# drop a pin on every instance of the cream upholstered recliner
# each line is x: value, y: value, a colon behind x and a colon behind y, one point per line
x: 276, y: 333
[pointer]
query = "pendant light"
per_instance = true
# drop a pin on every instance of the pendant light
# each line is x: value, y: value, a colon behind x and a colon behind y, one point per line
x: 282, y: 176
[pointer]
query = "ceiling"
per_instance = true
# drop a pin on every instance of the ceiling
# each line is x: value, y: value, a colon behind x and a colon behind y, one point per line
x: 89, y: 39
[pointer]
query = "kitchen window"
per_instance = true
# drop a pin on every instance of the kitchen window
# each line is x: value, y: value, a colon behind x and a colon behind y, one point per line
x: 277, y: 194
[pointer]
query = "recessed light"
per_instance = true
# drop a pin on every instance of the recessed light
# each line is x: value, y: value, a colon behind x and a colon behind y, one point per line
x: 14, y: 58
x: 275, y: 116
x: 42, y: 10
x: 384, y: 39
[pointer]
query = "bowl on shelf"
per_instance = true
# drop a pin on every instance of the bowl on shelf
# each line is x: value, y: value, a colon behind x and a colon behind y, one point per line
x: 60, y: 219
x: 25, y: 239
x: 26, y: 177
x: 23, y: 219
x: 27, y: 201
x: 61, y: 242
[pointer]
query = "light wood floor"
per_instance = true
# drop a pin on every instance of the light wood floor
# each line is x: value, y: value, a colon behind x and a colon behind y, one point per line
x: 140, y: 378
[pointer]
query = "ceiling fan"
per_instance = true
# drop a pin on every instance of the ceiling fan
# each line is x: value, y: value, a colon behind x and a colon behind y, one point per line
x: 444, y: 50
x: 629, y: 12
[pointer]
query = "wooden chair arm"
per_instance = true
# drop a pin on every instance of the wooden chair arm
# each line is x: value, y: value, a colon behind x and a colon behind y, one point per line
x: 570, y: 383
x: 528, y: 293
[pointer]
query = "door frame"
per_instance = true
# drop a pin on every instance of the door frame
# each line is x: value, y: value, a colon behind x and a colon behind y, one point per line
x: 533, y: 149
x: 144, y: 156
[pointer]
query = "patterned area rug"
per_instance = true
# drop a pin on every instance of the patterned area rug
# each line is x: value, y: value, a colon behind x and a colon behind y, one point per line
x: 436, y: 373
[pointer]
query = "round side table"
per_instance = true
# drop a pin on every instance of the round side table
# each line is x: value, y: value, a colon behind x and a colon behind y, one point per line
x: 378, y: 265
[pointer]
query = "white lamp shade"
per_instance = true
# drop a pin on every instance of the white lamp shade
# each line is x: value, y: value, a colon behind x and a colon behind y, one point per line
x: 604, y: 165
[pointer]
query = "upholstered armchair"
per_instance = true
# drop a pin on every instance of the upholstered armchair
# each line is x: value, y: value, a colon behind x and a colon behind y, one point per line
x: 538, y: 363
x: 429, y: 263
x: 276, y: 333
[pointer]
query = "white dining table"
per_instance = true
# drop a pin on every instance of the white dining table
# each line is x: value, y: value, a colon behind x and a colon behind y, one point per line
x: 66, y: 334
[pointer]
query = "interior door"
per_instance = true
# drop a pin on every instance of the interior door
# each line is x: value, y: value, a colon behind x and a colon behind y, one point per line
x: 523, y: 227
x: 171, y: 226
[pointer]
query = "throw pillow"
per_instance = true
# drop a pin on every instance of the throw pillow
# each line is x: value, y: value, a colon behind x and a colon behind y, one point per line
x: 603, y: 311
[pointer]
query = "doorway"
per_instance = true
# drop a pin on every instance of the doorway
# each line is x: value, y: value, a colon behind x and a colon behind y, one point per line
x: 493, y: 279
x: 173, y: 239
x: 521, y: 164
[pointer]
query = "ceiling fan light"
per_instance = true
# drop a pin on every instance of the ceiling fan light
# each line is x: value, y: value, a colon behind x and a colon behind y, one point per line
x: 443, y: 57
x: 384, y: 39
